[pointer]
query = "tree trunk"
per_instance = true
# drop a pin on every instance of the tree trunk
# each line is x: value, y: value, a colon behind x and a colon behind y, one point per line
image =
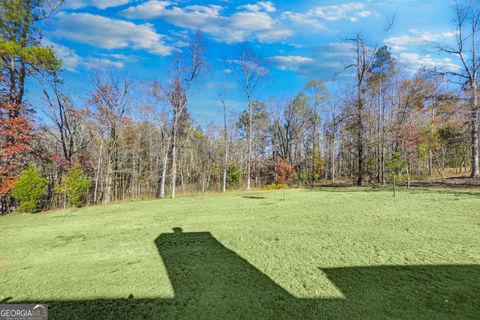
x: 408, y: 176
x: 97, y: 176
x: 249, y: 161
x: 333, y: 158
x: 225, y: 159
x: 108, y: 183
x: 174, y: 160
x: 394, y: 185
x: 314, y: 145
x: 224, y: 185
x: 474, y: 124
x: 360, y: 150
x: 108, y: 179
x: 361, y: 69
x: 164, y: 171
x: 383, y: 143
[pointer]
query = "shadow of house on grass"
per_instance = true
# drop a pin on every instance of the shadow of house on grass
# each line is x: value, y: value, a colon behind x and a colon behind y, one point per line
x: 213, y: 282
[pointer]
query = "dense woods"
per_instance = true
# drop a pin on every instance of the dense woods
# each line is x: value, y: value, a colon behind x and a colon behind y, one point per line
x: 137, y: 140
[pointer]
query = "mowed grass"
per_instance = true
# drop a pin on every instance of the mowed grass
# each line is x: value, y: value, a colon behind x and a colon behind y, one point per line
x: 319, y: 254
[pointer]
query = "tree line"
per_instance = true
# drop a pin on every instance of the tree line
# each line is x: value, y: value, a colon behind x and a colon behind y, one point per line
x: 131, y: 140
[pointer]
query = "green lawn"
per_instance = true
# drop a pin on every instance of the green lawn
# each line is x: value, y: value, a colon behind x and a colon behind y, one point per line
x: 320, y: 254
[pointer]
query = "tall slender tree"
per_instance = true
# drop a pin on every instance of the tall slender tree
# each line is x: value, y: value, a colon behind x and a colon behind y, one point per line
x: 186, y: 68
x: 252, y: 76
x: 467, y: 20
x: 362, y: 65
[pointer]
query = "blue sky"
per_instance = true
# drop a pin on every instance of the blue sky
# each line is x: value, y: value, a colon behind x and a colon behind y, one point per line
x: 298, y: 40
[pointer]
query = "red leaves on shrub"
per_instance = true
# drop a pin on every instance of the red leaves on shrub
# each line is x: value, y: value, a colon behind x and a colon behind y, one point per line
x: 284, y: 172
x: 16, y: 139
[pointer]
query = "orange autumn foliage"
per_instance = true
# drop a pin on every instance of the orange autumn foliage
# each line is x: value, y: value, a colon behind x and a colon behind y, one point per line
x: 16, y: 139
x: 284, y: 172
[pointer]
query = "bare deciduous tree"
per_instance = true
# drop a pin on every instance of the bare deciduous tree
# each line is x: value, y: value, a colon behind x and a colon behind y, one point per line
x: 252, y: 76
x: 110, y: 101
x: 186, y: 68
x: 71, y: 132
x: 467, y: 20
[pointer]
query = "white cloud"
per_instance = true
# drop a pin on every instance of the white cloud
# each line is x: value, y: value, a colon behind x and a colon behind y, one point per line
x: 100, y: 4
x: 414, y: 61
x: 211, y: 9
x: 408, y: 49
x: 155, y: 8
x: 268, y: 6
x: 103, y: 62
x: 416, y: 38
x: 71, y: 61
x: 317, y: 16
x: 304, y: 19
x: 273, y: 34
x: 110, y: 33
x: 324, y: 62
x: 251, y: 22
x: 320, y: 67
x: 292, y: 63
x: 351, y: 11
